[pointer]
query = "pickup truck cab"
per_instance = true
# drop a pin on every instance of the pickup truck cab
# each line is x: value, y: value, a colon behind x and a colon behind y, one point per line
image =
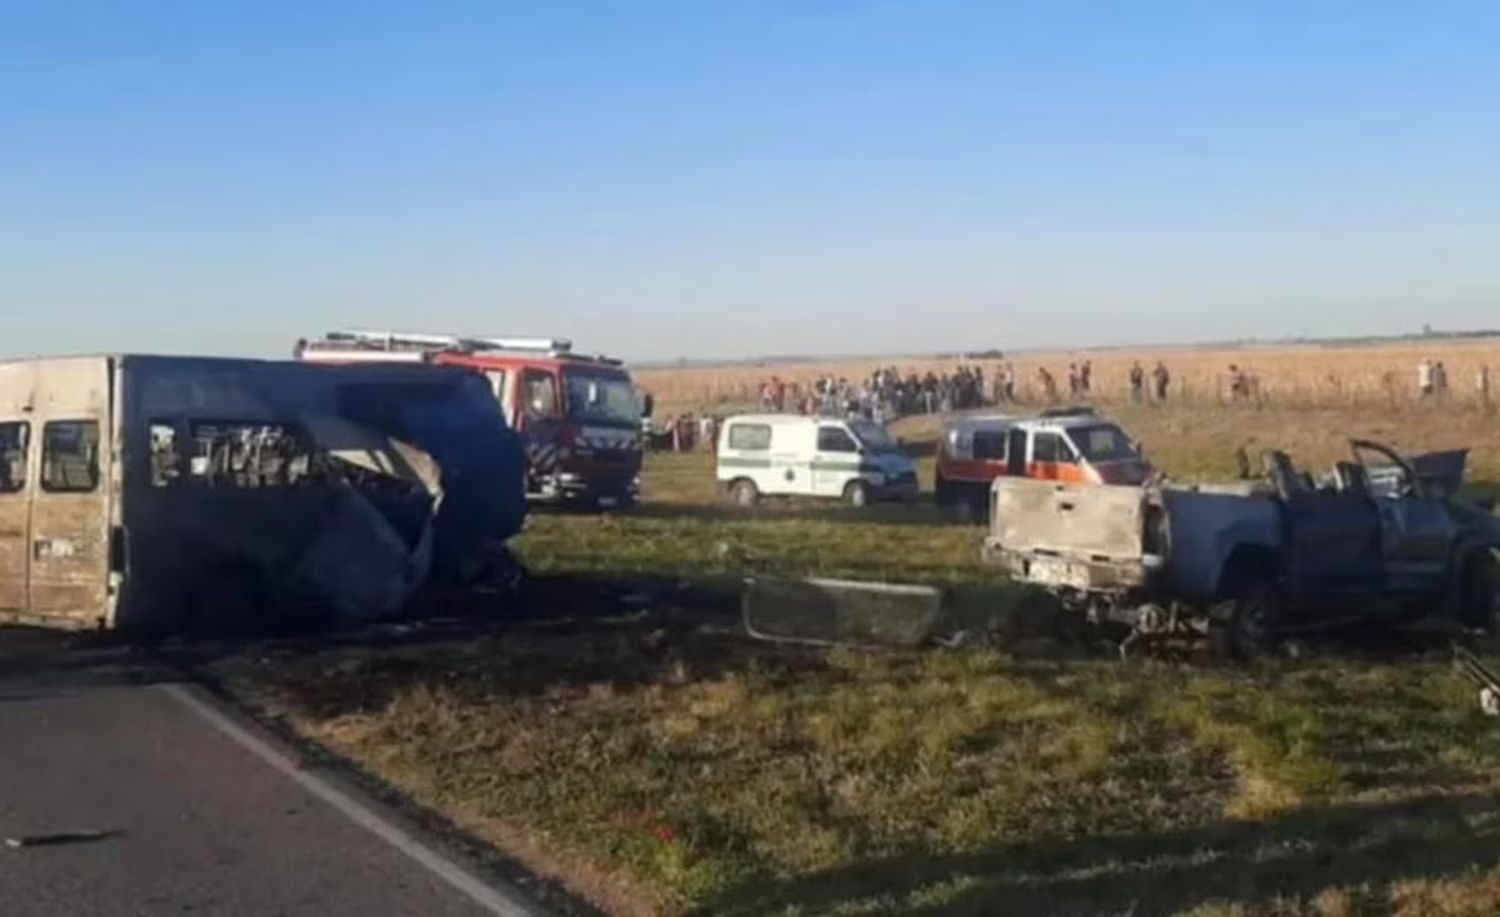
x: 1074, y: 445
x: 1381, y: 536
x: 793, y: 455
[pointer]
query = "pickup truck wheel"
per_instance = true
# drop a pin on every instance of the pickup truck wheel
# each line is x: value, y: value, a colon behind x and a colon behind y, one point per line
x: 1245, y: 625
x: 856, y: 493
x: 1480, y: 598
x: 744, y: 492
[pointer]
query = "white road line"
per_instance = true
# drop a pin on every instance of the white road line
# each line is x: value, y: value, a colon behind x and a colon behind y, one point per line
x: 483, y: 893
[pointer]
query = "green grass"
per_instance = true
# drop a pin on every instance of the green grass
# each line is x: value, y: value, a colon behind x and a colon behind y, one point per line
x: 661, y: 762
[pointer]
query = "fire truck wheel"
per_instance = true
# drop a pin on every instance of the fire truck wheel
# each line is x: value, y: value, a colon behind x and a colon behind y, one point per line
x: 744, y: 492
x: 857, y: 494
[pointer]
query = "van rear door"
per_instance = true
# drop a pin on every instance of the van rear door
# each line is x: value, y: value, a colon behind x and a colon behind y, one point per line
x: 69, y: 556
x: 17, y: 473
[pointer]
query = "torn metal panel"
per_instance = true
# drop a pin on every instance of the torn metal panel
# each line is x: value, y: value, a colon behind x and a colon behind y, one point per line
x: 1096, y: 520
x: 829, y: 611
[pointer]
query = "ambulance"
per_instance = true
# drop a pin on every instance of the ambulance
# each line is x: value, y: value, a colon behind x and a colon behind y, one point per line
x: 1071, y: 445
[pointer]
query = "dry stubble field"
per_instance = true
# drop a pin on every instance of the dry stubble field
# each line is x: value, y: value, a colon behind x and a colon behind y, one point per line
x: 661, y: 763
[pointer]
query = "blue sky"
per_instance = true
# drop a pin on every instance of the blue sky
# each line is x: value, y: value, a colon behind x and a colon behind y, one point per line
x: 727, y: 179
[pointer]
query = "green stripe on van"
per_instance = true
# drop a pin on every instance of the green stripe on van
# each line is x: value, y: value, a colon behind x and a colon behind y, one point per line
x: 735, y: 462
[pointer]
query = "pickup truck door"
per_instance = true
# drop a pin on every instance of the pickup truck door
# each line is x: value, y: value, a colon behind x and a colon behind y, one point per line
x: 1417, y: 536
x: 1417, y: 531
x: 1334, y: 542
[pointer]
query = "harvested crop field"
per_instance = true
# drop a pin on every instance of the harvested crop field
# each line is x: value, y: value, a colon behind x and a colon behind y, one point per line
x: 626, y: 737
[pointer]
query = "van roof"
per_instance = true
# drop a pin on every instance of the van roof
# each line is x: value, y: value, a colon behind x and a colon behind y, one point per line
x: 971, y: 422
x: 778, y: 419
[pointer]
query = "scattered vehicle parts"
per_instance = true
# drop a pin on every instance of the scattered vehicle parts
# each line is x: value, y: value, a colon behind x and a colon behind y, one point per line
x: 155, y: 494
x: 577, y: 414
x: 1483, y: 676
x: 1381, y: 536
x: 1072, y: 444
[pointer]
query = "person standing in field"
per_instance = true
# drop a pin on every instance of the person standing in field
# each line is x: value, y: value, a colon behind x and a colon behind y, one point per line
x: 1482, y: 384
x: 1163, y: 380
x: 1137, y: 383
x: 1086, y: 377
x: 1049, y: 384
x: 1426, y: 378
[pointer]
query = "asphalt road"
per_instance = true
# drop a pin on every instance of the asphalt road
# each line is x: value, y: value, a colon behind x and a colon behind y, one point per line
x: 159, y: 803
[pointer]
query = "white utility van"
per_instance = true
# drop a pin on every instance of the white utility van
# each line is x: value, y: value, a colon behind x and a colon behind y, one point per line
x: 793, y: 455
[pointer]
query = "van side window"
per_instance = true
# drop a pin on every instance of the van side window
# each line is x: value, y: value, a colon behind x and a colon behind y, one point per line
x: 70, y: 456
x: 1047, y: 447
x: 541, y: 394
x: 989, y: 446
x: 230, y: 454
x: 751, y: 437
x: 835, y: 439
x: 166, y: 461
x: 14, y: 438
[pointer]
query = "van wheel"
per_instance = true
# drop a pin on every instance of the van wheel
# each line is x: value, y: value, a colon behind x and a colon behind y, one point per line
x: 744, y: 492
x: 1246, y: 625
x: 1480, y: 596
x: 857, y: 493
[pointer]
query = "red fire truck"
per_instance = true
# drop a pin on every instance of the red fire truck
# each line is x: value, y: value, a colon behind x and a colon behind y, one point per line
x: 577, y: 413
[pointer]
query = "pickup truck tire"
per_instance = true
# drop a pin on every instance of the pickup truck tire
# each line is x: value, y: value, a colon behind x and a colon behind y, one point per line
x: 1480, y: 592
x: 1244, y: 625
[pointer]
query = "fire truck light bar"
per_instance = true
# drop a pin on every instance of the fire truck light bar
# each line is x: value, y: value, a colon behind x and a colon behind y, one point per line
x: 395, y: 340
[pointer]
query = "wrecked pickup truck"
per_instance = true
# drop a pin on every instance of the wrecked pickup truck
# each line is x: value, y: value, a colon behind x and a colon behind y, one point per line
x: 160, y: 494
x: 1250, y: 562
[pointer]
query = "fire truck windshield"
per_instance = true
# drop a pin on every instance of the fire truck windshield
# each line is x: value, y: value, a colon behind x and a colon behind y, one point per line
x: 595, y: 397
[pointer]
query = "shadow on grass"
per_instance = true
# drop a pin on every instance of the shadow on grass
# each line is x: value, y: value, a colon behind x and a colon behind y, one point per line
x: 1249, y: 863
x: 922, y: 512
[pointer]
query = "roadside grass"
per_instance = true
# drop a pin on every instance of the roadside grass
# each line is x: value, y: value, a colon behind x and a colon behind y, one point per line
x: 660, y: 762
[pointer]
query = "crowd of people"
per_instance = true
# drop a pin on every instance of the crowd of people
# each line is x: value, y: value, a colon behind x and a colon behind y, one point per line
x: 885, y: 394
x: 888, y: 393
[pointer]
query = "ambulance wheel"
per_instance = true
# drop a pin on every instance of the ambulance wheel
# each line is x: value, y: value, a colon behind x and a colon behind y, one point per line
x: 744, y: 492
x: 857, y: 493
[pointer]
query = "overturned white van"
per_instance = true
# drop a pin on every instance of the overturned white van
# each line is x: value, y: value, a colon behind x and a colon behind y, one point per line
x: 153, y: 494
